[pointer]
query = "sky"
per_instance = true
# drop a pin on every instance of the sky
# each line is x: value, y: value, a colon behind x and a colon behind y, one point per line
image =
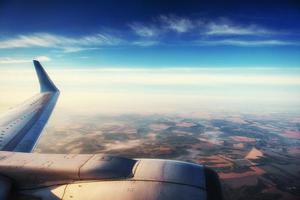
x: 137, y: 33
x: 149, y: 56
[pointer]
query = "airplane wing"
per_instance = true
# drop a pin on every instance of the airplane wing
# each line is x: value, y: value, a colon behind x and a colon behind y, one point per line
x: 21, y: 126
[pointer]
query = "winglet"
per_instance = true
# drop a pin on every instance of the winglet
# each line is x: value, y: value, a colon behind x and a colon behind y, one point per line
x: 46, y: 83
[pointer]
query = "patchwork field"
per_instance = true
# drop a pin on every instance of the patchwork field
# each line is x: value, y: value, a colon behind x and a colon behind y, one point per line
x: 256, y: 158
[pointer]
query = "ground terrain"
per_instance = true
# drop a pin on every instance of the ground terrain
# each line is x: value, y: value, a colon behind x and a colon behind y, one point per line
x: 256, y: 157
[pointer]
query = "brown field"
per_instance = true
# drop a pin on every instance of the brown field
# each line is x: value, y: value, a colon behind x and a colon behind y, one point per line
x: 215, y: 161
x: 242, y: 139
x: 238, y: 146
x: 159, y: 126
x: 292, y: 134
x: 185, y: 124
x: 254, y: 154
x: 232, y: 175
x: 237, y: 182
x: 294, y: 151
x: 284, y: 195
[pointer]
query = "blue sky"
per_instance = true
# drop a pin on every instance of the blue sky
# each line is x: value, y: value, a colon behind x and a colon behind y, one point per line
x: 150, y: 33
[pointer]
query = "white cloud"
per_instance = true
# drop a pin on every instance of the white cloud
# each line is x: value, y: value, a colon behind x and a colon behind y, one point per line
x: 166, y: 23
x: 42, y: 58
x: 7, y: 60
x: 158, y: 31
x: 145, y: 43
x: 77, y: 49
x: 144, y: 31
x: 232, y: 29
x: 67, y: 44
x: 218, y: 27
x: 177, y: 24
x: 249, y: 43
x: 13, y: 60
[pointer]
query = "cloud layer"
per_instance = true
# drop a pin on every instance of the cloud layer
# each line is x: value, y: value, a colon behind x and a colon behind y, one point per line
x: 66, y: 44
x: 220, y: 27
x: 245, y: 43
x: 177, y: 24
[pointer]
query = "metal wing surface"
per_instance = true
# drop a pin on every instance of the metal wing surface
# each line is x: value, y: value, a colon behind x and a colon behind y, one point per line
x: 22, y: 125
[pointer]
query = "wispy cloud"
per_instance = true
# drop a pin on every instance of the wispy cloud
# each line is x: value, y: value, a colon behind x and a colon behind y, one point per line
x: 77, y: 49
x: 177, y: 24
x: 159, y: 31
x: 67, y: 44
x: 217, y: 32
x: 165, y: 24
x: 145, y: 43
x: 144, y: 31
x: 8, y: 60
x: 248, y: 43
x: 214, y: 28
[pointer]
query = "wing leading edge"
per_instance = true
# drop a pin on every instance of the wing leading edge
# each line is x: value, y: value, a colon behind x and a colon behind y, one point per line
x: 21, y: 126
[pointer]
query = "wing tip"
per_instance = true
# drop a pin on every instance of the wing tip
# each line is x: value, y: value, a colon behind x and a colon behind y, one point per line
x: 46, y: 84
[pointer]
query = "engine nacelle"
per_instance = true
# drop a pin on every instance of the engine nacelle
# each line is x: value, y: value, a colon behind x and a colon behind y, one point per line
x: 90, y: 176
